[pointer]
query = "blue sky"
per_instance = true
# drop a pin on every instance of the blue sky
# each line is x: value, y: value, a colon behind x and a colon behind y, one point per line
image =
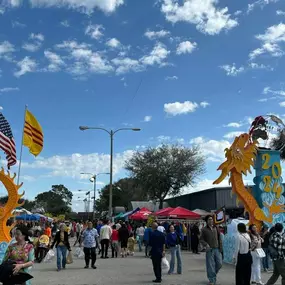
x: 193, y: 71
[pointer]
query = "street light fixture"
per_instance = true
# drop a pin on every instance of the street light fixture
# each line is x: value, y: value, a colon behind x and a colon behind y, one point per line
x: 111, y: 134
x: 94, y: 180
x: 87, y: 192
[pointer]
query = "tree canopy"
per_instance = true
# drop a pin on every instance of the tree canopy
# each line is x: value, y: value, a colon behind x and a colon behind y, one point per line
x: 56, y: 201
x: 165, y: 170
x: 124, y: 191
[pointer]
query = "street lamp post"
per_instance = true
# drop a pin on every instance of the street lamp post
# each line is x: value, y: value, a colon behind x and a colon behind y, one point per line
x: 111, y: 134
x: 94, y: 177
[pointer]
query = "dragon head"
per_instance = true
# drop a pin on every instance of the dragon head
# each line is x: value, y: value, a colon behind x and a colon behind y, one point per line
x: 240, y: 156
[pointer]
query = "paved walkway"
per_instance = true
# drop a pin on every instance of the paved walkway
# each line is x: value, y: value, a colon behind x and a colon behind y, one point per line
x: 129, y: 271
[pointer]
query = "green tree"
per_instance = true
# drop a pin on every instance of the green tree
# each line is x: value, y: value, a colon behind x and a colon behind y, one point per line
x: 165, y: 170
x: 124, y: 191
x: 56, y: 201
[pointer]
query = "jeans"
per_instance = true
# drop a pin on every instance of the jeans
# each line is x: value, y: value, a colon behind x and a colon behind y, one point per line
x: 90, y: 252
x: 266, y: 261
x: 175, y: 250
x: 61, y: 252
x: 213, y: 264
x: 278, y: 269
x: 115, y: 248
x: 140, y: 242
x: 156, y: 262
x: 256, y: 268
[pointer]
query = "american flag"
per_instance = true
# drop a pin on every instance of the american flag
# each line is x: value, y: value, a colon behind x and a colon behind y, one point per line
x: 7, y: 143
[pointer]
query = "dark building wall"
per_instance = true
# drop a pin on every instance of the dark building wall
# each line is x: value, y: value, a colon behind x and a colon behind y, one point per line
x: 210, y: 199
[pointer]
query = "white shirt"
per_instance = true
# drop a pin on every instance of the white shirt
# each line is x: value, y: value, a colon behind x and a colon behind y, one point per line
x: 242, y: 244
x: 105, y: 232
x: 140, y: 231
x: 161, y: 229
x: 118, y: 226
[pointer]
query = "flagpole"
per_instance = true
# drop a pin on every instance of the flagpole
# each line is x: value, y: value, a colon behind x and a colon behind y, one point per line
x: 21, y: 151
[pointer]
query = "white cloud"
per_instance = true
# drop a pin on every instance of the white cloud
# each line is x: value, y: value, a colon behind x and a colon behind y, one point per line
x: 178, y: 108
x: 55, y: 61
x: 174, y: 77
x: 156, y: 56
x: 86, y: 6
x: 282, y: 104
x: 17, y: 24
x: 147, y: 118
x: 270, y: 42
x: 205, y: 14
x: 113, y: 43
x: 6, y: 48
x: 9, y: 89
x: 268, y: 90
x: 126, y: 64
x: 1, y: 108
x: 94, y: 31
x: 39, y: 37
x: 232, y: 70
x: 65, y: 23
x: 72, y: 165
x: 232, y: 135
x: 259, y: 3
x: 153, y: 35
x: 280, y: 13
x: 186, y: 47
x: 25, y: 65
x: 213, y: 150
x: 233, y: 125
x: 204, y: 104
x: 238, y: 12
x: 31, y: 47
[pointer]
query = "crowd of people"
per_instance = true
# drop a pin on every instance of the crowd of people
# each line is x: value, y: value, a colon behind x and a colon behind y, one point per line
x: 253, y: 250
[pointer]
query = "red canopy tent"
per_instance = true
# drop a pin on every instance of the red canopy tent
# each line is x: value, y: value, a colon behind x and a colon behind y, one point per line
x: 164, y: 212
x: 182, y: 213
x: 142, y: 214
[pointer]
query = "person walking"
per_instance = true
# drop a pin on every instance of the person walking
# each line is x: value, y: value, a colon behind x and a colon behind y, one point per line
x: 90, y: 242
x: 265, y: 234
x: 123, y: 239
x: 242, y: 256
x: 211, y: 239
x: 105, y: 237
x: 78, y: 228
x: 140, y: 233
x: 62, y: 245
x: 146, y: 236
x: 157, y: 243
x: 277, y: 242
x: 174, y: 242
x: 115, y: 241
x: 256, y: 241
x: 195, y: 233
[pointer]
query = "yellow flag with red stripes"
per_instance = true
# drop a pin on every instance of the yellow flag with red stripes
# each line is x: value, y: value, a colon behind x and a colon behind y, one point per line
x: 33, y: 134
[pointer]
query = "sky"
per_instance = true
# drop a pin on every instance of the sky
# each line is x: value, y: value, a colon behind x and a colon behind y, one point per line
x: 187, y: 72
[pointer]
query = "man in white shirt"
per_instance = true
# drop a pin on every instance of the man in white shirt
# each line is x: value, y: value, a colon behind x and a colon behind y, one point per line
x: 79, y: 228
x: 140, y: 234
x: 105, y: 236
x: 161, y: 228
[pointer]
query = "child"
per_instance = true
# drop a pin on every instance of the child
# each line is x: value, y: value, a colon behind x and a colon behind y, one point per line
x: 115, y: 242
x: 131, y: 244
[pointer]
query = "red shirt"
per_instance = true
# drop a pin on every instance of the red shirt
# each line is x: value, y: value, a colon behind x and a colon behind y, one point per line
x: 115, y: 235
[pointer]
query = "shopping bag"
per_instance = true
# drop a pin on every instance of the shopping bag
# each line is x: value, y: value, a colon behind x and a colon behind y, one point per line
x: 260, y: 252
x: 164, y: 265
x: 79, y: 253
x: 69, y: 258
x: 49, y: 256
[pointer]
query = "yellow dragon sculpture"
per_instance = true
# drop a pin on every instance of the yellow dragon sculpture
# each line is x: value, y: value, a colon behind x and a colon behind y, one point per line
x: 240, y: 157
x: 13, y: 202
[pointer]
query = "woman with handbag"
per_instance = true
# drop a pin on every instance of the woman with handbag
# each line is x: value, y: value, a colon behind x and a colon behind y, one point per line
x: 257, y: 254
x: 242, y: 256
x: 62, y: 245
